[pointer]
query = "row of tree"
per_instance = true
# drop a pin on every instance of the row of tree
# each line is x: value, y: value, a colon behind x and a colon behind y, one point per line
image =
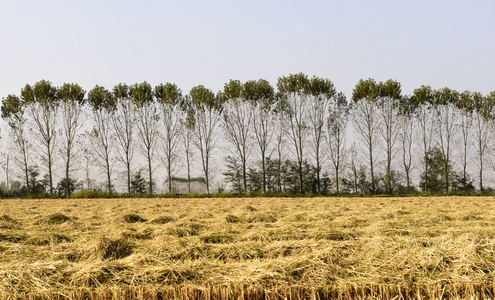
x: 303, y: 137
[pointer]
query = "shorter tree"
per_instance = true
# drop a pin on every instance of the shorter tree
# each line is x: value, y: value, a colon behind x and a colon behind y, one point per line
x: 138, y: 183
x: 439, y: 172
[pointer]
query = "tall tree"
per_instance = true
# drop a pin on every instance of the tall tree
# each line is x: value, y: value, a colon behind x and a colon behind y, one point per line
x: 237, y: 124
x: 42, y: 104
x: 389, y: 95
x: 483, y: 128
x: 422, y: 99
x: 260, y: 94
x: 72, y: 106
x: 280, y: 115
x: 366, y: 119
x: 321, y: 92
x: 464, y: 105
x: 123, y: 123
x: 294, y: 90
x: 169, y: 97
x: 147, y: 123
x: 407, y: 123
x: 13, y: 113
x: 207, y: 108
x: 188, y: 125
x: 338, y: 117
x: 444, y: 101
x: 102, y: 103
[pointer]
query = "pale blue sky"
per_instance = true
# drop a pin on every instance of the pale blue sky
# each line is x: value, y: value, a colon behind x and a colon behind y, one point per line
x: 438, y: 43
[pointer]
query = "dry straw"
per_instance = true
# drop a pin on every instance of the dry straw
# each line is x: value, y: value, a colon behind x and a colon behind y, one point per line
x: 317, y: 248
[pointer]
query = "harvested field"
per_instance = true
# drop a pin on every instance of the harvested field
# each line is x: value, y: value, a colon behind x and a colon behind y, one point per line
x: 250, y: 248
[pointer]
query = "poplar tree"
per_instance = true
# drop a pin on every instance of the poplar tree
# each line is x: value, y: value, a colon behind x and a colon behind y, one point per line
x: 102, y: 104
x: 294, y: 91
x: 124, y: 122
x: 13, y: 113
x: 338, y: 117
x: 169, y: 97
x: 207, y: 110
x: 42, y: 105
x: 366, y: 119
x: 321, y: 91
x: 261, y: 96
x: 72, y: 103
x: 446, y: 122
x: 237, y: 124
x: 389, y: 95
x: 147, y: 118
x: 422, y: 99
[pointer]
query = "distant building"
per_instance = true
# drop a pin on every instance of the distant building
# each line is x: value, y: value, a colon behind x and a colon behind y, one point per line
x: 180, y: 185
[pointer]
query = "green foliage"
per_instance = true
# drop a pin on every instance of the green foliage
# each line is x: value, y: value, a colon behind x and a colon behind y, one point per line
x: 390, y: 89
x: 138, y: 183
x: 204, y: 99
x: 168, y: 94
x: 11, y: 108
x: 121, y: 91
x: 142, y: 94
x: 294, y: 84
x: 422, y: 96
x: 42, y: 93
x: 288, y: 174
x: 233, y: 89
x: 100, y: 98
x: 67, y: 185
x: 437, y: 169
x: 365, y: 89
x: 445, y: 96
x: 260, y: 92
x: 321, y: 88
x: 71, y: 93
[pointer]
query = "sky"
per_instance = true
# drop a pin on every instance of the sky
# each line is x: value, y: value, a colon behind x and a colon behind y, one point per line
x: 436, y: 43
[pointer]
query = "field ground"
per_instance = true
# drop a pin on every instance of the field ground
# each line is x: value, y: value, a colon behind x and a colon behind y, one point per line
x: 251, y: 248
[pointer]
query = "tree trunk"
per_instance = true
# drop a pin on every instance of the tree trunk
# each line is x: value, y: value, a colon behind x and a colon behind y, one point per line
x: 67, y: 188
x: 149, y: 173
x: 264, y: 170
x: 371, y: 167
x: 50, y: 170
x: 108, y: 177
x: 318, y: 184
x: 169, y: 163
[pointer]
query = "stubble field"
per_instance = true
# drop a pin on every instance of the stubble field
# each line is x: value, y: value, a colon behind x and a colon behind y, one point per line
x: 250, y: 248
